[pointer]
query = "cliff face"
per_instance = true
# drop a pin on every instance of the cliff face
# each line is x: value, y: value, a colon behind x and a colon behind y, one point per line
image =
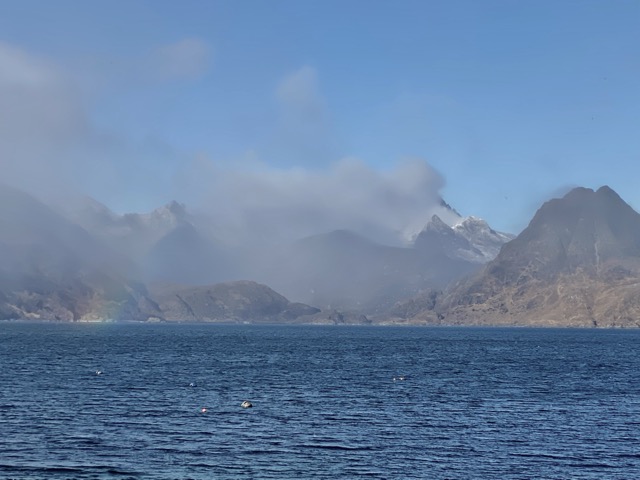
x: 576, y: 264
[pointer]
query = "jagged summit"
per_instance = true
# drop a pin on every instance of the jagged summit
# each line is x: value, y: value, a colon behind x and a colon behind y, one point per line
x: 437, y: 225
x: 165, y: 217
x: 172, y: 209
x: 445, y: 212
x: 584, y: 229
x: 446, y: 206
x: 482, y: 236
x: 471, y: 239
x: 576, y: 263
x: 472, y: 224
x: 439, y: 238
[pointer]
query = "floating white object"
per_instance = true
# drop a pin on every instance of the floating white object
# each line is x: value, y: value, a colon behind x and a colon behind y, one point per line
x: 246, y: 404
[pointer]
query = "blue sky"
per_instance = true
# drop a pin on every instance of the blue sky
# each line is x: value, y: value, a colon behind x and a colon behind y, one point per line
x: 509, y: 102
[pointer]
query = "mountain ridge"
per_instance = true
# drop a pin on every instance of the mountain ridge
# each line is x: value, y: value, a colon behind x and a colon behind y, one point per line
x: 576, y: 264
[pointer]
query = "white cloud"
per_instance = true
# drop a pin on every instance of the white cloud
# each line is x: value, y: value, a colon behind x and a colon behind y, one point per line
x: 19, y: 69
x: 300, y: 96
x: 47, y: 139
x: 189, y: 58
x: 41, y: 119
x: 185, y: 60
x: 303, y: 131
x: 279, y: 205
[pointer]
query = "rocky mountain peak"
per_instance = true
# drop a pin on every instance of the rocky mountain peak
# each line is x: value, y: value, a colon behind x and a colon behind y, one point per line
x: 436, y: 224
x: 448, y: 207
x: 576, y: 263
x: 438, y: 238
x: 164, y: 218
x: 583, y: 229
x: 472, y: 224
x: 484, y: 238
x: 173, y: 209
x: 472, y: 239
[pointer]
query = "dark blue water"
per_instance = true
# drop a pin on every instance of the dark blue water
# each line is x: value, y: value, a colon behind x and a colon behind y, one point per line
x: 475, y: 403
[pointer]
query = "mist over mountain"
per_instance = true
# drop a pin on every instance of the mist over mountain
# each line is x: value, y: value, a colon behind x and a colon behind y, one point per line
x: 132, y: 234
x: 51, y: 268
x: 275, y: 207
x: 207, y: 159
x: 576, y: 264
x: 185, y: 256
x: 344, y: 270
x: 339, y: 269
x: 168, y: 244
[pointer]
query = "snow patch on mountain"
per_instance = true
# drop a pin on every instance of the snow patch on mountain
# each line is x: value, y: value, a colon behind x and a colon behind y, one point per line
x: 470, y: 239
x: 484, y: 238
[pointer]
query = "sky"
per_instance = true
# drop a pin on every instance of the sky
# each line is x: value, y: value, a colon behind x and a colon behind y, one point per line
x: 352, y: 108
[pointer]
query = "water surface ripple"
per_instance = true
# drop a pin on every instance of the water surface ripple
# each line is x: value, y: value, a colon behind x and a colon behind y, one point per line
x: 474, y: 403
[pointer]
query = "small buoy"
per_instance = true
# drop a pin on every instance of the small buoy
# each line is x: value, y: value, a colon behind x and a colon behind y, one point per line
x: 246, y: 404
x: 98, y: 372
x: 192, y: 384
x: 204, y: 410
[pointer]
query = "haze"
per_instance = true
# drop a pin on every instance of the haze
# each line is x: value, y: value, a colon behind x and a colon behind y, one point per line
x: 281, y: 120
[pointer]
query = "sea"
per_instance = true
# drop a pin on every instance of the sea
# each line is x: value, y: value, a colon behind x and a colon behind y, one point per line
x: 140, y: 401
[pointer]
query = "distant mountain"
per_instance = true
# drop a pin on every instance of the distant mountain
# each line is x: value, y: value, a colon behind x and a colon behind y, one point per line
x: 471, y: 239
x: 132, y: 234
x: 344, y: 270
x: 482, y: 237
x: 349, y: 271
x: 239, y: 302
x: 576, y: 264
x: 340, y: 269
x: 89, y: 264
x: 52, y: 269
x: 184, y: 255
x: 167, y: 245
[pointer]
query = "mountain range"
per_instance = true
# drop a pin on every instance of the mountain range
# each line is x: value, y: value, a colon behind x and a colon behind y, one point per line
x: 576, y: 264
x: 339, y: 269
